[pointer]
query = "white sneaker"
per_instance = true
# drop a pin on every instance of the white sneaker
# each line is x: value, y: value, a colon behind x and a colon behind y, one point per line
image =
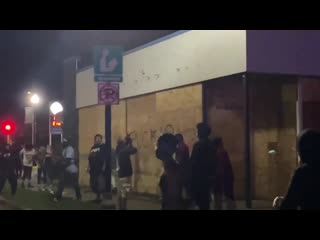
x: 49, y: 190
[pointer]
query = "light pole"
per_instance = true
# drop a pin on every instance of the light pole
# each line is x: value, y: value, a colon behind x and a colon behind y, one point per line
x: 35, y: 100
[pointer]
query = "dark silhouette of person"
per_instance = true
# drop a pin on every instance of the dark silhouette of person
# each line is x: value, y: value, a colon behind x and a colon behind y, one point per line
x: 304, y: 189
x: 16, y: 148
x: 96, y: 166
x: 183, y: 158
x: 202, y: 160
x: 224, y: 177
x: 8, y: 166
x: 170, y: 184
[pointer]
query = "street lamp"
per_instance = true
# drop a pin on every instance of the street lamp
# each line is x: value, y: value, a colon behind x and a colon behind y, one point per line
x: 56, y: 108
x: 35, y: 100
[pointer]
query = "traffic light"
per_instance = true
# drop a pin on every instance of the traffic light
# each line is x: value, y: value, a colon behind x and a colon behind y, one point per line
x: 8, y: 127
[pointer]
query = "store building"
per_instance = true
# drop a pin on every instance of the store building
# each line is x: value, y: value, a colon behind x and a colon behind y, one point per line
x: 256, y: 89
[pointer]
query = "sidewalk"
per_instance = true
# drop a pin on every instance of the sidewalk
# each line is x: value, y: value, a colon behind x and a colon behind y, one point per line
x: 43, y: 200
x: 146, y: 202
x: 35, y: 199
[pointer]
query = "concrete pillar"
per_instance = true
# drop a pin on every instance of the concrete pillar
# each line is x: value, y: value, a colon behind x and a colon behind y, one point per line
x: 70, y: 124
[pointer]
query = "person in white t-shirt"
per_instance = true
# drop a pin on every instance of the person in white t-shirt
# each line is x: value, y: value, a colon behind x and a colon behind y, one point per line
x: 27, y: 155
x: 70, y: 170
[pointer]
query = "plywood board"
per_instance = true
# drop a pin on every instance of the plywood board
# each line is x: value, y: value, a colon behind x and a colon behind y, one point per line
x: 150, y: 116
x: 91, y: 122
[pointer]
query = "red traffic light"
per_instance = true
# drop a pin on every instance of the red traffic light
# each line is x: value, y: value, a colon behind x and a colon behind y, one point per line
x: 8, y: 127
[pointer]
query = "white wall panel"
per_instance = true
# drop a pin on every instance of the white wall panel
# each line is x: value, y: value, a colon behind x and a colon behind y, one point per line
x: 190, y: 57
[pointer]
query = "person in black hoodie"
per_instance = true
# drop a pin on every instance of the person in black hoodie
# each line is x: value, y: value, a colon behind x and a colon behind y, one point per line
x: 304, y: 190
x: 97, y: 159
x: 8, y: 166
x: 15, y: 149
x: 203, y: 167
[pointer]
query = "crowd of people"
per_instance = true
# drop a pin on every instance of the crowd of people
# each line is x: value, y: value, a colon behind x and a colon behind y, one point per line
x: 208, y: 171
x: 186, y: 180
x: 53, y: 163
x: 189, y: 181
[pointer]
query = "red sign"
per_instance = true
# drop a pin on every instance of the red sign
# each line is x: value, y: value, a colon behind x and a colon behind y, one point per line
x: 108, y: 93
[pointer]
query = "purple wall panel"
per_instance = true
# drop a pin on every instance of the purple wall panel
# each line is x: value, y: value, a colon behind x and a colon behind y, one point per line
x: 284, y: 51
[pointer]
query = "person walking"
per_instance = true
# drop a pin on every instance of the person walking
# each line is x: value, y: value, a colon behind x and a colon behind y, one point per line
x: 224, y: 178
x: 124, y: 150
x: 69, y: 170
x: 49, y: 170
x: 40, y: 160
x: 27, y: 155
x: 8, y: 166
x: 15, y: 150
x: 97, y: 158
x: 203, y: 167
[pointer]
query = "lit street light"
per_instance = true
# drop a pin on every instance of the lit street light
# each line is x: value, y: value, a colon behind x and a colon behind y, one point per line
x: 56, y: 108
x: 35, y: 99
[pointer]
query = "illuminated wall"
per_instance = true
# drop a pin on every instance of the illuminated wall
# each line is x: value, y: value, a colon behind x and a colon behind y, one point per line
x: 190, y: 57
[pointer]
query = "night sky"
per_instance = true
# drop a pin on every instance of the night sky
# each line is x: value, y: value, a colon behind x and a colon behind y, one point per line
x: 34, y: 59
